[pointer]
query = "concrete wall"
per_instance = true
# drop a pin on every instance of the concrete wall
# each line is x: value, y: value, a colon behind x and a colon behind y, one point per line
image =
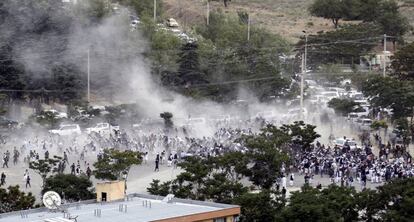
x: 115, y: 190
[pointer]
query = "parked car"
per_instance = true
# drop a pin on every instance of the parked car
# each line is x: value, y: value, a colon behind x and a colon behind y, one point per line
x: 67, y: 130
x: 7, y: 123
x: 352, y: 116
x: 268, y: 115
x: 329, y: 95
x: 341, y: 142
x: 102, y: 128
x: 172, y: 22
x: 57, y: 113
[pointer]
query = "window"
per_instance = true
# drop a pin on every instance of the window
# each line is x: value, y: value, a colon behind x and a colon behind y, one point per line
x: 222, y: 219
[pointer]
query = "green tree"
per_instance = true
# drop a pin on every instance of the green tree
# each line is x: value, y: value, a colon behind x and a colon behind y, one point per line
x: 216, y: 179
x: 158, y: 189
x: 114, y: 164
x: 167, y: 116
x: 403, y: 63
x: 260, y: 207
x: 342, y: 106
x: 144, y: 8
x: 70, y: 187
x: 331, y: 204
x: 47, y: 118
x: 384, y: 90
x: 44, y: 167
x: 266, y: 155
x: 12, y: 73
x: 12, y: 199
x: 397, y: 198
x: 189, y: 67
x: 391, y: 20
x: 342, y: 45
x: 301, y: 134
x: 329, y: 9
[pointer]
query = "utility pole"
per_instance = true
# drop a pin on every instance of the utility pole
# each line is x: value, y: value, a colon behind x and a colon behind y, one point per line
x: 208, y: 12
x: 155, y: 10
x: 306, y: 52
x: 89, y: 78
x: 385, y: 57
x: 248, y: 27
x: 302, y: 86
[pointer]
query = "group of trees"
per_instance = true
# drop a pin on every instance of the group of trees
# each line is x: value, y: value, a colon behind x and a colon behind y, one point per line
x: 27, y: 67
x: 388, y: 202
x: 222, y: 53
x: 12, y: 199
x: 348, y: 42
x: 111, y: 165
x: 383, y: 13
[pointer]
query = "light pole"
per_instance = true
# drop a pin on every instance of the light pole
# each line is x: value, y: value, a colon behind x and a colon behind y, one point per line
x: 304, y: 63
x: 306, y: 50
x: 385, y: 57
x: 155, y: 10
x: 89, y: 78
x: 208, y: 12
x: 248, y: 27
x: 302, y: 86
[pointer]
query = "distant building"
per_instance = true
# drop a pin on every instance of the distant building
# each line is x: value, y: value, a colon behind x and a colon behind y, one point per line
x: 376, y: 59
x: 70, y: 1
x: 133, y: 208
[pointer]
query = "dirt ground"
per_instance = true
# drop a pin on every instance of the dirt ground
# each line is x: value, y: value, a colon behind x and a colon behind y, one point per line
x: 285, y: 17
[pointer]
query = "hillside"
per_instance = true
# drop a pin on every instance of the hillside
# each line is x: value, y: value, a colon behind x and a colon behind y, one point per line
x: 285, y: 17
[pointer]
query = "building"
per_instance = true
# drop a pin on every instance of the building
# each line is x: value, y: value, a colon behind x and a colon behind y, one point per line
x: 134, y: 208
x: 110, y: 191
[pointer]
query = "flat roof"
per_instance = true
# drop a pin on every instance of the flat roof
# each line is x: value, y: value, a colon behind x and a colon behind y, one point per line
x: 136, y: 210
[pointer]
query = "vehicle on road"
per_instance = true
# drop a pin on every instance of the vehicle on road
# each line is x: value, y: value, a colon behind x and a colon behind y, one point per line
x: 67, y: 130
x: 172, y: 22
x: 341, y: 142
x: 57, y: 113
x: 7, y: 123
x: 102, y: 128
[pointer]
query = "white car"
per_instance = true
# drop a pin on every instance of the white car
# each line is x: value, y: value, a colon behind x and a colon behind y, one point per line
x: 295, y: 113
x: 340, y: 142
x: 363, y: 113
x: 172, y: 22
x: 57, y: 113
x: 102, y: 128
x: 66, y: 130
x: 268, y: 115
x: 196, y: 121
x: 352, y: 117
x: 329, y: 95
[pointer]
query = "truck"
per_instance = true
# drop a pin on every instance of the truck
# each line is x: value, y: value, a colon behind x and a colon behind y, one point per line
x: 67, y: 130
x: 102, y: 128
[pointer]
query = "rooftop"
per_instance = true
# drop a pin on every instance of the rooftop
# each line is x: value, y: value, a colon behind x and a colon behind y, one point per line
x: 136, y: 207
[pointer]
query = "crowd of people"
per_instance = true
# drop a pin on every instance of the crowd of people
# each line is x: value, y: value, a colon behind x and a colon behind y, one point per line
x: 341, y: 164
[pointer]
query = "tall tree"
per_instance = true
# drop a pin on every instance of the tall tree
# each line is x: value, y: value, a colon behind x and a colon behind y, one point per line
x: 114, y: 164
x: 12, y: 199
x: 403, y: 63
x: 302, y: 134
x: 329, y: 9
x: 266, y: 155
x: 70, y: 187
x: 45, y: 166
x: 189, y: 72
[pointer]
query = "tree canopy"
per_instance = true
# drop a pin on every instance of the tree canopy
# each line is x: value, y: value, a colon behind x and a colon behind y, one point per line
x: 113, y: 164
x: 70, y: 187
x: 403, y: 63
x: 12, y: 199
